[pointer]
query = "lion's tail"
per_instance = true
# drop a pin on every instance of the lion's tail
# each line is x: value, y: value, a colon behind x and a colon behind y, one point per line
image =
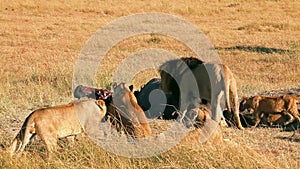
x: 13, y: 147
x: 22, y: 138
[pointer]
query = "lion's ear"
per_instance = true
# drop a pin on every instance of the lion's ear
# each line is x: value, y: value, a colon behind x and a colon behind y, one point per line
x: 245, y: 98
x: 256, y: 101
x: 101, y: 103
x: 257, y: 98
x: 113, y: 85
x: 131, y: 87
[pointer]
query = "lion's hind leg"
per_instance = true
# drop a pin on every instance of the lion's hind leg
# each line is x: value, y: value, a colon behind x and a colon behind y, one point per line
x: 49, y: 137
x: 20, y: 141
x: 51, y: 144
x: 25, y: 140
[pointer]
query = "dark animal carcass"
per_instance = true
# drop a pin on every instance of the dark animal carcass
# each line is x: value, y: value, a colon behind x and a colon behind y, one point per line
x: 155, y: 102
x: 90, y: 92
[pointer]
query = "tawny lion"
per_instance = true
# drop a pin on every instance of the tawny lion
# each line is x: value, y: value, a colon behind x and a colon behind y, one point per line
x: 178, y: 75
x: 260, y: 105
x: 53, y: 123
x: 131, y: 115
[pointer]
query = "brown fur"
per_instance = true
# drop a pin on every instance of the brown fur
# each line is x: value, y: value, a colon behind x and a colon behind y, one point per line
x: 130, y: 115
x: 262, y: 105
x: 53, y: 123
x: 221, y: 73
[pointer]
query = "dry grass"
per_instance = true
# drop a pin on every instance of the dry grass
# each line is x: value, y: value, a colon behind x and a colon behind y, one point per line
x: 40, y: 42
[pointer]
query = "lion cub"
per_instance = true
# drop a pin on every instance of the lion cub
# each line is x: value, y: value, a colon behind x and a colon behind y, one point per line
x: 53, y: 123
x: 286, y: 105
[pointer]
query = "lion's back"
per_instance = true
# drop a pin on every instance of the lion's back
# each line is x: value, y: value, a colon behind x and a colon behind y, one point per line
x: 61, y: 120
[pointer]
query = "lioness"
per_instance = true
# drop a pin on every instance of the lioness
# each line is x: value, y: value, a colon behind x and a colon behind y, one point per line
x: 53, y: 123
x: 125, y: 107
x: 260, y: 105
x: 177, y: 78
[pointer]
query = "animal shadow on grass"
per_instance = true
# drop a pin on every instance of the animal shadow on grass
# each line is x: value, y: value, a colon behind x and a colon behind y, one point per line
x: 293, y: 138
x: 246, y: 120
x: 295, y: 128
x: 258, y: 49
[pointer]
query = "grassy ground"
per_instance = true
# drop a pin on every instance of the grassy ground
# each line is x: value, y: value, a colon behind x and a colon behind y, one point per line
x: 40, y: 42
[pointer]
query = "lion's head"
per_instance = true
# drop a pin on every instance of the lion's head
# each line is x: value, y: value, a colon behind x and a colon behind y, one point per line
x: 171, y: 72
x: 132, y: 116
x: 195, y: 117
x: 249, y: 103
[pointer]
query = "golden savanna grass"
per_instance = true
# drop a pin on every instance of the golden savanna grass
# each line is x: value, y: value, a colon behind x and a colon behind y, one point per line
x: 41, y: 40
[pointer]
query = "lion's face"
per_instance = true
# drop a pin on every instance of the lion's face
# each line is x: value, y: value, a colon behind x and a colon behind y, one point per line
x: 131, y: 114
x: 249, y: 103
x: 195, y: 117
x: 246, y: 103
x: 122, y: 94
